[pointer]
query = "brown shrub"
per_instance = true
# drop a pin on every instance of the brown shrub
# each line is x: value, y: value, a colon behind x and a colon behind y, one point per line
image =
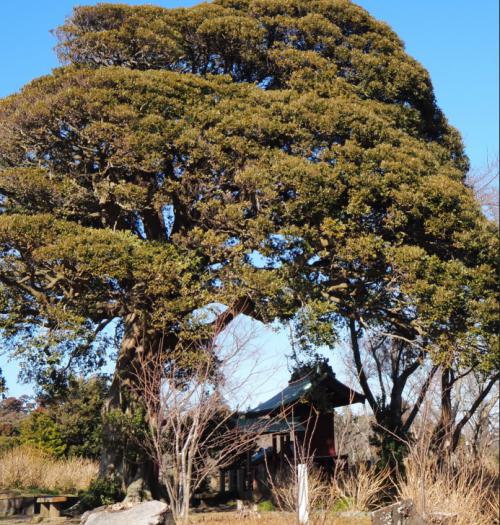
x: 460, y: 486
x: 26, y: 467
x: 361, y: 489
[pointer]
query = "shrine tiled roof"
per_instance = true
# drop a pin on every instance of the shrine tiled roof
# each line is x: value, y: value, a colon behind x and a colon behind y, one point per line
x: 340, y: 394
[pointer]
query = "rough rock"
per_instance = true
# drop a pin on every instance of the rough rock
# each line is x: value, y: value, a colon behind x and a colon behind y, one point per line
x: 136, y: 492
x: 442, y: 518
x: 146, y: 513
x: 400, y: 513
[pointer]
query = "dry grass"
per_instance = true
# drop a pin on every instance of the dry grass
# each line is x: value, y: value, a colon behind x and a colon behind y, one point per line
x: 267, y: 518
x: 285, y: 490
x: 360, y: 490
x: 463, y: 486
x: 29, y: 468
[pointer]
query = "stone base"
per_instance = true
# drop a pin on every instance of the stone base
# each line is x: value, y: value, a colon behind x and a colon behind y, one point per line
x: 12, y: 505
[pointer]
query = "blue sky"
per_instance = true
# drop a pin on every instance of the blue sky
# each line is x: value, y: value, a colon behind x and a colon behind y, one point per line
x: 456, y: 40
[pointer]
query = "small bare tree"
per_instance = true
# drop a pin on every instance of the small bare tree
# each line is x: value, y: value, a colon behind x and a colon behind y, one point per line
x: 485, y: 182
x: 483, y: 433
x: 193, y: 431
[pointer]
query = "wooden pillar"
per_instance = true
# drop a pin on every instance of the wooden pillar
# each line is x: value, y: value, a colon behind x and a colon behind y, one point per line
x: 282, y: 451
x: 222, y: 481
x: 240, y: 481
x: 248, y: 475
x: 255, y: 479
x: 274, y: 457
x: 233, y: 485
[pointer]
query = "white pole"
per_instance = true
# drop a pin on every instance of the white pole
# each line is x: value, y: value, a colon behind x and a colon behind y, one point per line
x: 303, y: 494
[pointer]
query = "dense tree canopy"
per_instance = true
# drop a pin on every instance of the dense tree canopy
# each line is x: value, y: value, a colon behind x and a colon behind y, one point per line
x: 286, y: 158
x: 68, y: 426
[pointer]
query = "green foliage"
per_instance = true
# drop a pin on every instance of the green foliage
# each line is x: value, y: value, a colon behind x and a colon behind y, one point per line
x: 78, y: 416
x: 102, y: 491
x: 125, y: 432
x: 390, y: 448
x: 70, y: 425
x: 265, y: 506
x: 41, y: 431
x: 279, y: 43
x: 342, y: 504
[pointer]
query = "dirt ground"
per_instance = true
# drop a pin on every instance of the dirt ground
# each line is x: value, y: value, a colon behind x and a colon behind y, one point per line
x: 210, y: 518
x: 29, y: 520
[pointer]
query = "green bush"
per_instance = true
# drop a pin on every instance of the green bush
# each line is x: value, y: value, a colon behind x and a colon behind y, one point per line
x: 69, y: 426
x: 102, y: 491
x: 342, y: 505
x: 79, y: 416
x: 41, y: 431
x: 8, y: 442
x: 265, y: 506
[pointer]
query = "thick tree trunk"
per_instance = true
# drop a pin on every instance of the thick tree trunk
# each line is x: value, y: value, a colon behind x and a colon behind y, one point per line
x: 121, y: 456
x: 443, y: 433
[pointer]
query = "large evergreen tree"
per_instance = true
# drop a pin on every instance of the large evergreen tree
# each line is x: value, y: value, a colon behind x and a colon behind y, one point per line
x: 285, y: 158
